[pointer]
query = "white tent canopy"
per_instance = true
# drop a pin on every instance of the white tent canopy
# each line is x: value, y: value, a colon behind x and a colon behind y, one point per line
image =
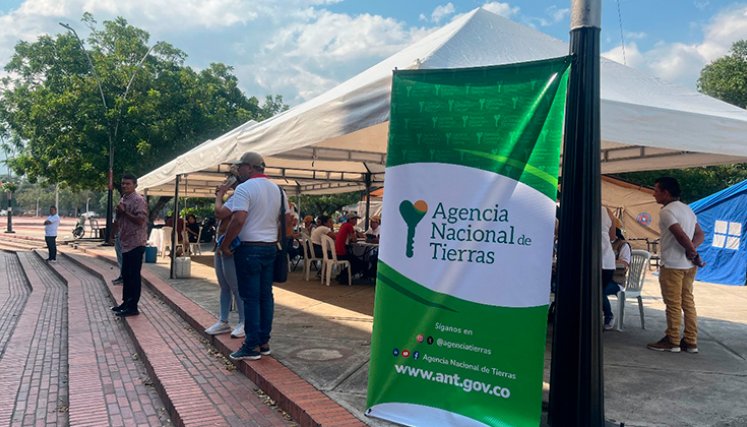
x: 334, y: 141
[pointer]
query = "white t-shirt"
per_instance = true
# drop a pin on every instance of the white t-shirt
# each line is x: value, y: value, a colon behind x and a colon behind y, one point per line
x: 608, y: 255
x: 316, y: 234
x: 374, y: 232
x: 624, y: 254
x: 672, y: 253
x: 50, y: 230
x: 260, y: 198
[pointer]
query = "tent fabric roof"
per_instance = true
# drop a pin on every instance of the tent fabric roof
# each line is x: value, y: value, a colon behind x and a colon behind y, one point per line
x: 645, y: 123
x: 718, y: 197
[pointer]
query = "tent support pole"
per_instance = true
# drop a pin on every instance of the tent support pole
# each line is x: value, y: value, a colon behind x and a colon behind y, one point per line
x: 368, y: 201
x: 576, y: 378
x: 175, y: 230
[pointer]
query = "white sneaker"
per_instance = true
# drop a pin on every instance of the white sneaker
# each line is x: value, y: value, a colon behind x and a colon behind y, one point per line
x: 610, y: 325
x: 238, y: 331
x: 218, y: 328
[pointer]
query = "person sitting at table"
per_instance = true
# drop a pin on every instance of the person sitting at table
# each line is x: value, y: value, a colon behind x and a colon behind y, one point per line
x: 622, y: 251
x: 345, y: 237
x: 308, y: 225
x: 374, y: 229
x: 179, y: 226
x: 324, y: 229
x: 193, y: 228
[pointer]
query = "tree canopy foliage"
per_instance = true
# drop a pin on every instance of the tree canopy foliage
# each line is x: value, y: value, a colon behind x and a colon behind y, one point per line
x: 54, y: 119
x: 696, y: 183
x: 726, y: 77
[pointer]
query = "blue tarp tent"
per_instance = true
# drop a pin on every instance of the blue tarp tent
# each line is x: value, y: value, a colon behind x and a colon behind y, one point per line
x: 723, y: 218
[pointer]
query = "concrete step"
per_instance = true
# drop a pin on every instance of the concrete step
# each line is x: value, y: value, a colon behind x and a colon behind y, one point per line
x: 10, y: 243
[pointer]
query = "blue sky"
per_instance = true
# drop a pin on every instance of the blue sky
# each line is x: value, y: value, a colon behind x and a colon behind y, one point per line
x: 300, y: 48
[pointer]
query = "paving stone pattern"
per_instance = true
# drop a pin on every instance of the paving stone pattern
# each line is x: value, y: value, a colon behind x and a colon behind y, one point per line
x: 109, y: 384
x: 204, y: 386
x: 33, y: 368
x: 14, y: 291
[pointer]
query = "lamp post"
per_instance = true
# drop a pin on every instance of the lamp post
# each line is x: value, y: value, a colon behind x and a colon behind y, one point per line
x: 9, y: 191
x: 112, y: 136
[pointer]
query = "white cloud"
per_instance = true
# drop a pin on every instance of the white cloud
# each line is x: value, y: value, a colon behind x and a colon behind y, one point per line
x: 632, y: 35
x: 503, y: 9
x: 296, y: 48
x: 557, y: 14
x: 442, y: 11
x: 680, y: 62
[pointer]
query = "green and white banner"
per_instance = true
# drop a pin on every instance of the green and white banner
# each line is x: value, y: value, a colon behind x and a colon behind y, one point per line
x: 465, y: 259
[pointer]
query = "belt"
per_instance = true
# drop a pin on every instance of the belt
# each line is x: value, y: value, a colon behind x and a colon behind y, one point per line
x: 259, y: 243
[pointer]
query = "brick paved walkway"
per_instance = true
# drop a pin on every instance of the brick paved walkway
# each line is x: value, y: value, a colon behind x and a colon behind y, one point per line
x: 110, y: 385
x: 33, y: 368
x: 203, y: 387
x: 14, y: 291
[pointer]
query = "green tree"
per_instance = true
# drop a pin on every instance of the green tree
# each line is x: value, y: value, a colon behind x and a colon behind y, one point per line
x: 726, y: 77
x: 696, y: 183
x: 326, y: 204
x: 51, y: 108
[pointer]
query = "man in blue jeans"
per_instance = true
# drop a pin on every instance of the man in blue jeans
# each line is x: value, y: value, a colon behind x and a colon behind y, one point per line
x: 255, y: 213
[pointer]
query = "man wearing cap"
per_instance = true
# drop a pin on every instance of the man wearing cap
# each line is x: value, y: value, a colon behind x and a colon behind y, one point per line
x: 345, y: 236
x: 255, y: 213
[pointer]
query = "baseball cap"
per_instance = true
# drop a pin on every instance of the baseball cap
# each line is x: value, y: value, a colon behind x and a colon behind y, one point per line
x: 251, y: 158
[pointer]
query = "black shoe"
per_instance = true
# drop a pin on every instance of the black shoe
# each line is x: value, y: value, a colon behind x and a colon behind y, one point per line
x: 127, y: 312
x: 116, y: 308
x: 264, y: 349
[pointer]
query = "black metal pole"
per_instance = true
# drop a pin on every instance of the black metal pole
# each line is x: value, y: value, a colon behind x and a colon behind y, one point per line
x: 109, y: 197
x: 175, y: 231
x: 368, y: 201
x: 9, y: 229
x: 576, y: 379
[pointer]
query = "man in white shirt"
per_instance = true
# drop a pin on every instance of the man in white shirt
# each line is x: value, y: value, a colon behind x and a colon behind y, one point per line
x: 374, y: 230
x: 256, y: 210
x: 680, y: 235
x: 325, y: 229
x: 51, y: 225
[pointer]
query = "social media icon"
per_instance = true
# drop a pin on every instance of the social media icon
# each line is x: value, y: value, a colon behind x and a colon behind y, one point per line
x: 420, y: 338
x: 416, y: 355
x: 430, y: 340
x: 395, y: 352
x: 405, y: 353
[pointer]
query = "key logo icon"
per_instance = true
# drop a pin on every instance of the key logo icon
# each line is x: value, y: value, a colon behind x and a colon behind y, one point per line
x: 412, y: 213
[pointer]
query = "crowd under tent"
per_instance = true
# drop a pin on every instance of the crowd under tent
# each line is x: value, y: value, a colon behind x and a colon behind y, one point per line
x: 337, y: 141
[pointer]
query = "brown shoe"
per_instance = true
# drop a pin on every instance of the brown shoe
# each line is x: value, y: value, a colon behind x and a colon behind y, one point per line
x: 690, y: 348
x: 664, y: 345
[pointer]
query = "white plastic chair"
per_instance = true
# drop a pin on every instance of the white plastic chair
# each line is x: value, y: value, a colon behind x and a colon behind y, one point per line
x: 330, y: 261
x: 633, y: 285
x: 309, y: 257
x: 166, y: 240
x: 167, y: 235
x: 194, y: 248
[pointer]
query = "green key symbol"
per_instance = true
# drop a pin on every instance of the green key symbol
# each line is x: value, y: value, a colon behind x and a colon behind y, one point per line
x: 412, y: 214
